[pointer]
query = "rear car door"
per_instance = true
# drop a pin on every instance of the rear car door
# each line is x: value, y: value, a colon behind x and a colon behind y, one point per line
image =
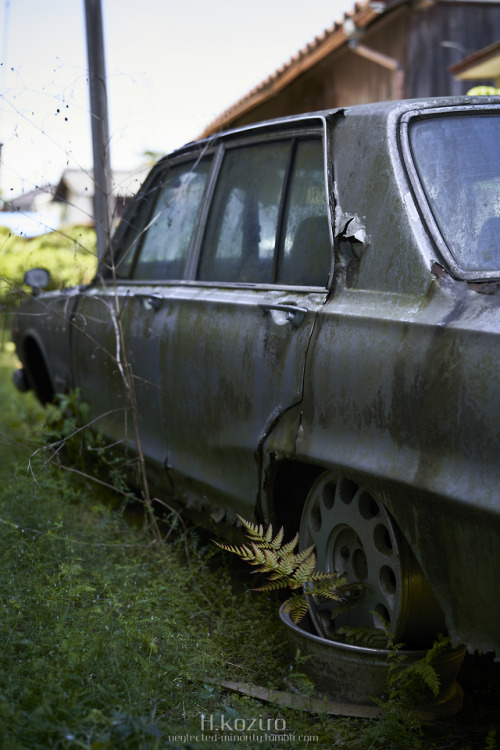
x: 234, y: 357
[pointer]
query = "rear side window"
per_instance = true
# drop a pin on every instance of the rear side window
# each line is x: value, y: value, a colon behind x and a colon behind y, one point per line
x: 458, y: 162
x: 305, y: 255
x: 159, y: 245
x: 268, y: 222
x: 241, y: 233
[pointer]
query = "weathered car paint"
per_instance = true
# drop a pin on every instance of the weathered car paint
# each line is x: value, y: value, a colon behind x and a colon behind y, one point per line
x: 45, y: 328
x: 250, y: 358
x: 391, y: 377
x: 417, y: 423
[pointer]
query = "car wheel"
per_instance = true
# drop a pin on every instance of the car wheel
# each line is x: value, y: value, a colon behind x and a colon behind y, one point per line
x: 354, y: 534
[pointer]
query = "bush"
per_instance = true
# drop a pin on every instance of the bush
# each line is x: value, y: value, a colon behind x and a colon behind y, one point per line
x: 70, y: 256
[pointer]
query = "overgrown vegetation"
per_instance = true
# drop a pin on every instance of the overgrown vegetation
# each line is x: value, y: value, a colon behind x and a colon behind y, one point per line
x: 69, y: 255
x: 112, y: 640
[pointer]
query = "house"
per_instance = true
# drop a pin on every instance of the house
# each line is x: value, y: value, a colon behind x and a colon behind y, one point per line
x: 482, y: 65
x: 382, y: 49
x: 69, y: 202
x: 75, y: 193
x: 32, y: 212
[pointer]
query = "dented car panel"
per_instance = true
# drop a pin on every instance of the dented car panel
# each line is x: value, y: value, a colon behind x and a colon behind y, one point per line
x: 318, y: 331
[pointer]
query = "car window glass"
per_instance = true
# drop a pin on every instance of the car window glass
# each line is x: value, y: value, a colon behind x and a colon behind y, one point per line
x: 165, y: 239
x: 458, y: 161
x: 241, y: 232
x: 130, y: 230
x: 306, y: 251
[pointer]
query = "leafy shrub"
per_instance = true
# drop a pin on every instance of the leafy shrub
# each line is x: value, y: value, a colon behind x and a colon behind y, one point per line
x: 69, y: 255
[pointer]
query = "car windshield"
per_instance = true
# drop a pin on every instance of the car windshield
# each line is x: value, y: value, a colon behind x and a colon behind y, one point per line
x: 458, y: 161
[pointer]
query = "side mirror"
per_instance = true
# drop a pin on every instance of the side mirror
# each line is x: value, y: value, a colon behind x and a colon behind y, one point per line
x: 37, y: 279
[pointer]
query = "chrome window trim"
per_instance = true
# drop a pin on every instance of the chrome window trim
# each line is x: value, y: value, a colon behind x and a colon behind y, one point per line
x: 198, y: 284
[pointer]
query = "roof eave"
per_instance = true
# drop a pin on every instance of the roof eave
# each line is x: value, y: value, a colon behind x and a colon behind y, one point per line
x: 315, y: 52
x: 484, y: 63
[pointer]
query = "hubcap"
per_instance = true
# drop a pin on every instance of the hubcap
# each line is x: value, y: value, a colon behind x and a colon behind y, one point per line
x: 354, y: 534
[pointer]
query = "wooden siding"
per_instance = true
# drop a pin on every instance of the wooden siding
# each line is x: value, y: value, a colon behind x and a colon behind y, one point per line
x: 469, y: 26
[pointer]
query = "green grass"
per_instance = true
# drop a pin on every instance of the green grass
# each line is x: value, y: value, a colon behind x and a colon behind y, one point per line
x: 110, y: 640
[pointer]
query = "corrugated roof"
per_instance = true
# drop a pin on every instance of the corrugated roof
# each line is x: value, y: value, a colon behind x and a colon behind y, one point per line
x: 331, y: 39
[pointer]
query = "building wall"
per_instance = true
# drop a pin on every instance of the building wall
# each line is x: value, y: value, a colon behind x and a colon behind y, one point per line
x: 78, y: 211
x: 463, y: 28
x: 352, y: 79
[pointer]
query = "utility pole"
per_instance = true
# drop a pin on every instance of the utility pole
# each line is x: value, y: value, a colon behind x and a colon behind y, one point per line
x: 99, y: 125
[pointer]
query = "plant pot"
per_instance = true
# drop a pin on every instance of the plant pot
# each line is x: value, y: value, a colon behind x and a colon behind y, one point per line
x: 358, y: 675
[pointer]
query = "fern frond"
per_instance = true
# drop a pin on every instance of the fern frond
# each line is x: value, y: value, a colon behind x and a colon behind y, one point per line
x: 286, y: 569
x: 428, y: 674
x: 272, y: 560
x: 297, y: 606
x: 264, y: 540
x: 286, y: 565
x: 304, y: 571
x: 309, y: 551
x: 338, y: 578
x: 268, y: 537
x: 259, y: 556
x: 289, y: 546
x: 273, y: 586
x: 254, y: 529
x: 244, y: 552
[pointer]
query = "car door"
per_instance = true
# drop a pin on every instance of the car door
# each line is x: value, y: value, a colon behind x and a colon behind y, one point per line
x: 120, y: 322
x: 234, y: 356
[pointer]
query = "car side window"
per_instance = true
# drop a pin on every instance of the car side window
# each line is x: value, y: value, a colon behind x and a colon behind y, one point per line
x: 129, y: 233
x: 240, y: 238
x: 305, y: 255
x: 165, y: 232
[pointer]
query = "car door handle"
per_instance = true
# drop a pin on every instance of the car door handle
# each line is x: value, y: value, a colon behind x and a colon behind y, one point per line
x: 294, y: 313
x: 151, y: 301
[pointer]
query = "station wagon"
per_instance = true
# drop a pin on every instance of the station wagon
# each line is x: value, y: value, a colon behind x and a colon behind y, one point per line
x: 311, y: 311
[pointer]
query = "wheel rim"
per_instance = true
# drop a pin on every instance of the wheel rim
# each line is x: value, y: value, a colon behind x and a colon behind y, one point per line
x: 354, y: 534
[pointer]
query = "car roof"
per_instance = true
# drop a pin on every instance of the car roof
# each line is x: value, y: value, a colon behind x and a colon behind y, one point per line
x: 384, y: 110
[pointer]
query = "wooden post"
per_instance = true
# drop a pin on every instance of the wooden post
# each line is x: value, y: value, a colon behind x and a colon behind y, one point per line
x: 99, y: 125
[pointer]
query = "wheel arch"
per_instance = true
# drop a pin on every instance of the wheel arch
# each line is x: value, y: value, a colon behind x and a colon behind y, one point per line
x: 37, y: 369
x: 286, y: 487
x: 288, y: 481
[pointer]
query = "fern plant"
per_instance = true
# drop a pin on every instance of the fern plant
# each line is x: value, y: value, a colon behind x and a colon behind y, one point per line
x: 286, y: 568
x: 406, y: 680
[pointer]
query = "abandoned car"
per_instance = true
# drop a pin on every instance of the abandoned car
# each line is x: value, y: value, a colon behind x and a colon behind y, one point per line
x: 311, y: 311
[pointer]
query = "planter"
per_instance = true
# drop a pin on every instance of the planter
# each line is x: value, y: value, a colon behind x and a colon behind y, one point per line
x: 356, y: 674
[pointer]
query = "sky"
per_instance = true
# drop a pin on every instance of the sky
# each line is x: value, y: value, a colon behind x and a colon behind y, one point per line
x: 172, y: 66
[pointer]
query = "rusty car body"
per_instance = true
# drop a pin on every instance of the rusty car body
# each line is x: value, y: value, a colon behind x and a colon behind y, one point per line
x: 311, y: 311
